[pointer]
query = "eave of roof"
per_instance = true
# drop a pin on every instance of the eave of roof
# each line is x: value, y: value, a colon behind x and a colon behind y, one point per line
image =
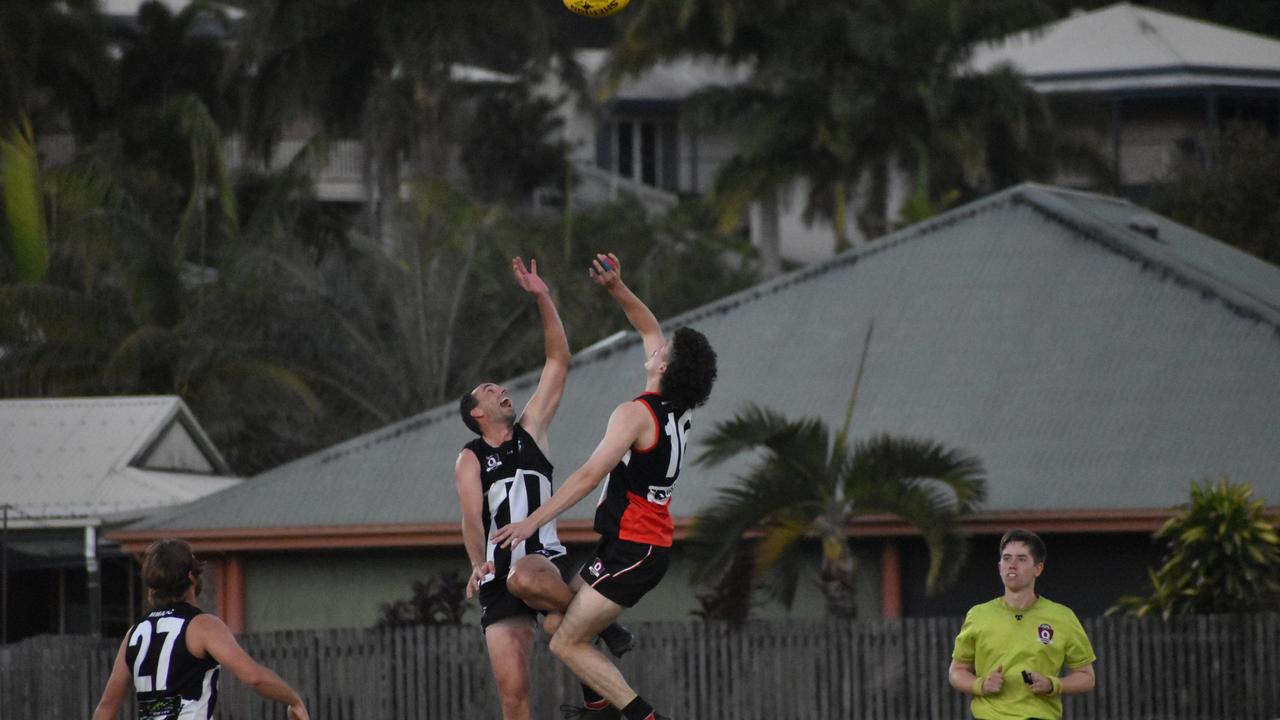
x: 1184, y: 265
x: 1125, y: 48
x: 403, y: 535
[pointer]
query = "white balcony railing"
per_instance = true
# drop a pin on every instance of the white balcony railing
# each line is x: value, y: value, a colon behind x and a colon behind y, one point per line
x: 596, y: 186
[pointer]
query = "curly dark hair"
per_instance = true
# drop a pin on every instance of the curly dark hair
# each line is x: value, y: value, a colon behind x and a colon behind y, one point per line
x: 691, y: 369
x: 466, y: 404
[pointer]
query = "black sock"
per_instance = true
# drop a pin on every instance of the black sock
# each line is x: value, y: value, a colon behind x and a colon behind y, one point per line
x: 637, y: 709
x: 612, y: 632
x: 593, y: 700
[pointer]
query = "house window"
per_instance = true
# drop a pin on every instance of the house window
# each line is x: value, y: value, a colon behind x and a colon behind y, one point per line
x: 642, y: 149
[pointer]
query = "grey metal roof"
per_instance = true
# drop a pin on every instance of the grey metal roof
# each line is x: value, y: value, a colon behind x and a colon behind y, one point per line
x: 1127, y: 47
x: 1089, y: 365
x: 89, y: 457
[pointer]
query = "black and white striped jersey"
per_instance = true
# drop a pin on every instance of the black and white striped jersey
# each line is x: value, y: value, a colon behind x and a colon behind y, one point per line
x: 171, y: 683
x: 515, y: 478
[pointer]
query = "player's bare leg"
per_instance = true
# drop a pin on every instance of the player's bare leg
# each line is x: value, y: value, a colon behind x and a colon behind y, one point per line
x: 537, y: 582
x: 510, y: 643
x: 588, y: 614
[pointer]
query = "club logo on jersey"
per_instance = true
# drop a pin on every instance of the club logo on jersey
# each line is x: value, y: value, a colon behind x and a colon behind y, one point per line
x: 491, y: 462
x: 660, y: 495
x: 596, y: 567
x: 1045, y: 633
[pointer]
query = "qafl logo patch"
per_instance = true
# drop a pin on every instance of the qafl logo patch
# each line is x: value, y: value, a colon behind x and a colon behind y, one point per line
x: 596, y: 568
x: 491, y: 462
x: 1045, y: 633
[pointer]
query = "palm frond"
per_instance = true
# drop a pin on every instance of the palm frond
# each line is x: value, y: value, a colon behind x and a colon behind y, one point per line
x: 927, y: 485
x: 783, y: 580
x: 767, y: 492
x: 755, y: 427
x: 23, y: 202
x: 784, y: 530
x: 885, y: 465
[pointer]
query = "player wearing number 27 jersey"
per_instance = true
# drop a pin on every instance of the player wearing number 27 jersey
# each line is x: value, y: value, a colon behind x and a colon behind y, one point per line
x: 171, y: 658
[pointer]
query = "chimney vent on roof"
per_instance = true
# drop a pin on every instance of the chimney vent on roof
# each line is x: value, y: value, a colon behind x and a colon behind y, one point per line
x: 1146, y: 225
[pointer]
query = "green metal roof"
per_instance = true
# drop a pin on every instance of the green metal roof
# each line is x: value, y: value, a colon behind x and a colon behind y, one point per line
x: 1089, y: 364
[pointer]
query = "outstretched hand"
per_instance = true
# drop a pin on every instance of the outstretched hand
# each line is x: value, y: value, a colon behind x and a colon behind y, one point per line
x: 528, y: 278
x: 513, y: 534
x: 605, y: 270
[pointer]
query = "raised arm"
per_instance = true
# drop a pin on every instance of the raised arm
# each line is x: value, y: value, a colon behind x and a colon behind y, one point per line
x: 629, y: 423
x: 208, y: 635
x: 606, y: 271
x: 466, y: 476
x: 542, y: 405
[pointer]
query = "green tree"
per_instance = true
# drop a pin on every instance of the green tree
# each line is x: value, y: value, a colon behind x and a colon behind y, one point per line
x: 1232, y: 195
x: 844, y: 95
x: 124, y: 309
x: 809, y: 483
x: 441, y: 600
x: 393, y: 73
x: 54, y: 65
x: 1223, y: 555
x: 24, y: 228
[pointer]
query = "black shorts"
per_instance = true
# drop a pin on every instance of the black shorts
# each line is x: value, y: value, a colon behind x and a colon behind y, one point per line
x: 624, y: 571
x: 497, y: 603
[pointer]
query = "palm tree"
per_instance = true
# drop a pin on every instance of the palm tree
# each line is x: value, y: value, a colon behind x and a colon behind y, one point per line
x: 126, y: 306
x: 385, y: 71
x: 811, y: 484
x: 55, y: 68
x: 843, y: 95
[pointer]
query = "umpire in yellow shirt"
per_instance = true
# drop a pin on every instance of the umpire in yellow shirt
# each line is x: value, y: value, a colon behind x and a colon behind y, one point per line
x: 1010, y: 652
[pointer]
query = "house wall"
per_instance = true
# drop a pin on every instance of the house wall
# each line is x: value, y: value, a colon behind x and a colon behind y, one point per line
x: 1086, y: 572
x: 1150, y: 134
x: 341, y: 589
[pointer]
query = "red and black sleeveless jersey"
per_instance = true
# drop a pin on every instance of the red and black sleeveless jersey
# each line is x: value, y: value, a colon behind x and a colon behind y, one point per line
x: 633, y: 504
x: 515, y: 478
x: 171, y: 682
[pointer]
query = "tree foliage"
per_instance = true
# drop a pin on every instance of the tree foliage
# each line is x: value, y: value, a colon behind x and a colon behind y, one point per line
x: 440, y: 600
x: 1223, y: 555
x: 1233, y: 194
x: 808, y: 483
x: 844, y: 95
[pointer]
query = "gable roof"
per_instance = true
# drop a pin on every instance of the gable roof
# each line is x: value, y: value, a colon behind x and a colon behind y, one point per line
x: 69, y: 459
x: 672, y: 79
x: 1097, y: 371
x: 1126, y: 47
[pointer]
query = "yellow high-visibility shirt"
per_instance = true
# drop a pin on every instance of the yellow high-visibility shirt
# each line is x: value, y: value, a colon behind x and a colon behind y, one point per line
x: 1043, y: 638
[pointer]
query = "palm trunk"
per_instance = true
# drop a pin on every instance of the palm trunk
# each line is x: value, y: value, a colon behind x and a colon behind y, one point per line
x: 770, y: 241
x: 838, y: 578
x: 873, y: 219
x: 841, y: 219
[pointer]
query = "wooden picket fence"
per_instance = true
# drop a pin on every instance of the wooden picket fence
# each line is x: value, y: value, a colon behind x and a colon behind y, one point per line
x: 1203, y: 668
